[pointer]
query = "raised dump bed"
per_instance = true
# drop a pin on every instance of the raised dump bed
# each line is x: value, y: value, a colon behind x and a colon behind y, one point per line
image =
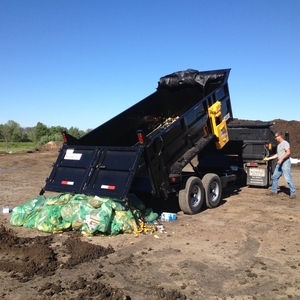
x: 145, y: 148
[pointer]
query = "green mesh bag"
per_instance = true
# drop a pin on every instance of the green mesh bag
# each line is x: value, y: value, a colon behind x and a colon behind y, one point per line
x: 25, y: 214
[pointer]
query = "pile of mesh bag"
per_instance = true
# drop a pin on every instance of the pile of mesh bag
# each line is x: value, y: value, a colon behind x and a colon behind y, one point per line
x: 90, y: 215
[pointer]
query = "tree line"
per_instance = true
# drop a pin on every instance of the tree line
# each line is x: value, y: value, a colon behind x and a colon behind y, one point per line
x: 40, y: 134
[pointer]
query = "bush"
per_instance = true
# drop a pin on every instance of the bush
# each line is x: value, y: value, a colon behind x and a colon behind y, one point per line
x: 48, y: 138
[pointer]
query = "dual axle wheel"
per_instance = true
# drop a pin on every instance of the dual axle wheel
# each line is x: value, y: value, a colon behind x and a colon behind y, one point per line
x: 196, y: 192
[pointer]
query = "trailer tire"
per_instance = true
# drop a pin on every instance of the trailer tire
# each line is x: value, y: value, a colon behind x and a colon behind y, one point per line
x: 213, y: 189
x: 191, y: 197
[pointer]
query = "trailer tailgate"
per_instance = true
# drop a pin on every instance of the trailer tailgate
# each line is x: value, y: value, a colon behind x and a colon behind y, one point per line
x: 93, y: 170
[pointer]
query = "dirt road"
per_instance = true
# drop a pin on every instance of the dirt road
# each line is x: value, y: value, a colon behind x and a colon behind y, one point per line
x: 247, y: 248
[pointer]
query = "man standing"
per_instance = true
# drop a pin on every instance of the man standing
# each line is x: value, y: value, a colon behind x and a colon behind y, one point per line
x: 283, y: 165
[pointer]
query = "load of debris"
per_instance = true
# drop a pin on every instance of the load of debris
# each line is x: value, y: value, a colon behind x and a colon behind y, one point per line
x: 90, y: 215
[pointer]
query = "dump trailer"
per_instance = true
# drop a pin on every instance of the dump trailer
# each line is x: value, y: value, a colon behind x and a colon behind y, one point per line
x: 249, y: 143
x: 146, y: 148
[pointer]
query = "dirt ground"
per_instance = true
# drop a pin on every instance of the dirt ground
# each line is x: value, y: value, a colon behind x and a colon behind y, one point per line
x: 246, y: 248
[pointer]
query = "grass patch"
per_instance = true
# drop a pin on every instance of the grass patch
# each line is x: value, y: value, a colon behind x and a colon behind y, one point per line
x: 16, y: 146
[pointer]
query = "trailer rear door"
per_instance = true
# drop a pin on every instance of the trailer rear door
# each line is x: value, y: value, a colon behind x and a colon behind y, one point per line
x: 92, y: 170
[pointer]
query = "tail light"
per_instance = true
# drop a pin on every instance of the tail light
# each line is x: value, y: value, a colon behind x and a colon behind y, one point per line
x: 175, y: 178
x: 64, y: 136
x: 252, y: 164
x: 141, y: 136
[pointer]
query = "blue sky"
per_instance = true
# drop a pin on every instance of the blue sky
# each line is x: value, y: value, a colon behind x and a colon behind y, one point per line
x: 79, y: 63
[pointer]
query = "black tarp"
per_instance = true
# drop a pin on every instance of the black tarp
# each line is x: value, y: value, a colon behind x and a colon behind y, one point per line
x: 188, y: 77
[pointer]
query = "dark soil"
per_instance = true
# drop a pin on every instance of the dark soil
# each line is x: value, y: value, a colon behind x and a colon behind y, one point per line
x: 25, y: 258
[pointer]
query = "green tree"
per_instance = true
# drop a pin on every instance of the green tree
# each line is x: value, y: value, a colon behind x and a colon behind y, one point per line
x: 27, y: 134
x: 74, y: 131
x: 10, y: 132
x: 40, y: 131
x: 4, y: 134
x: 56, y: 129
x: 15, y: 131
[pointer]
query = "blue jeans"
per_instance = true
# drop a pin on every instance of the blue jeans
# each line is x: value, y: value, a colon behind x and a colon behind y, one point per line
x: 285, y: 169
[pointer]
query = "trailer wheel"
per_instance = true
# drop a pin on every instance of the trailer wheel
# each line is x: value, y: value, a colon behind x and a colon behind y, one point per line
x: 213, y: 189
x: 191, y: 198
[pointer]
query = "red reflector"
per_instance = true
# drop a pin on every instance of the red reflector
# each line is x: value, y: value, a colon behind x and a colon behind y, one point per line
x: 108, y: 187
x: 173, y: 179
x: 140, y: 138
x: 253, y: 164
x: 64, y: 137
x: 66, y: 182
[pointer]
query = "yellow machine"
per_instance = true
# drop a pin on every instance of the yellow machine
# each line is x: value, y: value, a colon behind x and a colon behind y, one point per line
x: 218, y: 126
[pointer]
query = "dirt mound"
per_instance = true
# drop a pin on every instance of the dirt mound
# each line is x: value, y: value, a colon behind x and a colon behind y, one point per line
x: 25, y: 258
x: 53, y: 145
x: 293, y: 128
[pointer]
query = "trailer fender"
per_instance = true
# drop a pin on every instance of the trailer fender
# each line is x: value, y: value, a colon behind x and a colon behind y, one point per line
x: 213, y: 189
x: 191, y: 196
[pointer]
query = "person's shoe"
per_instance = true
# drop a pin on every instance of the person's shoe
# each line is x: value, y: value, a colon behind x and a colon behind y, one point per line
x: 293, y: 196
x: 271, y: 193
